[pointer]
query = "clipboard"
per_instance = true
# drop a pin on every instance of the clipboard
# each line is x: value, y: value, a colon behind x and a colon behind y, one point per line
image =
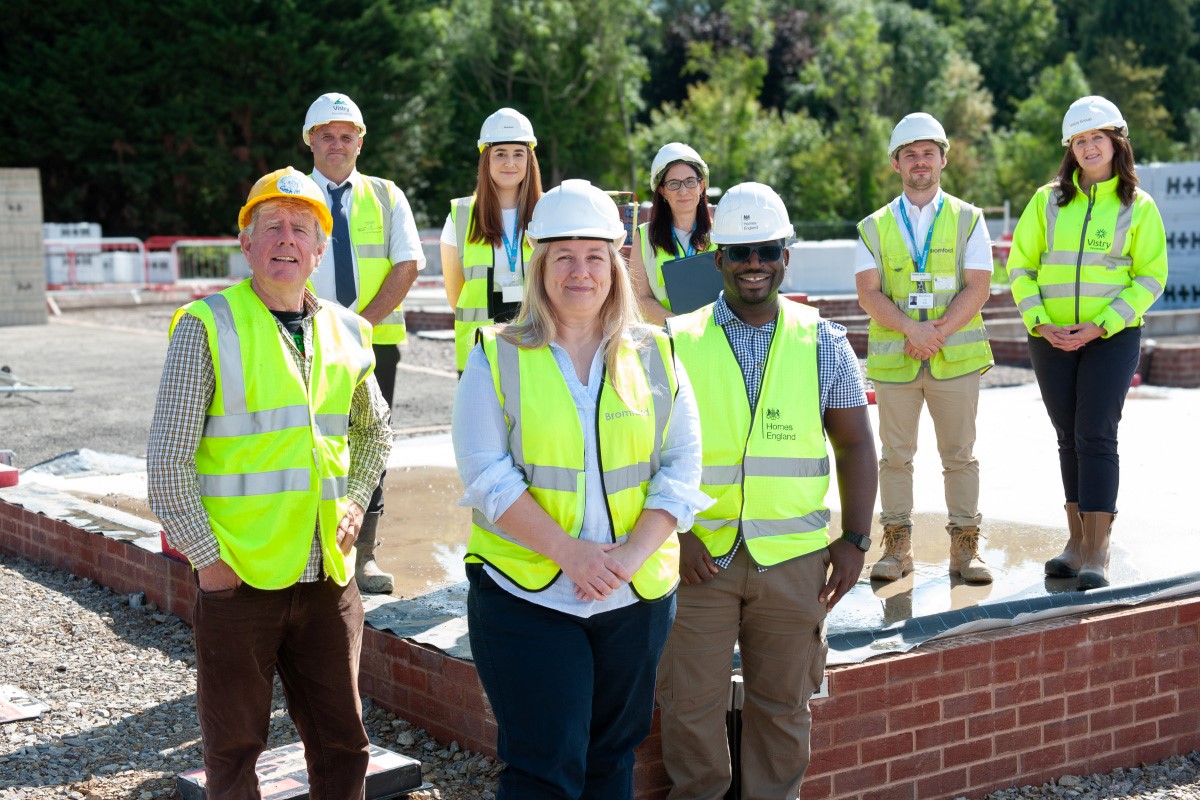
x: 692, y: 282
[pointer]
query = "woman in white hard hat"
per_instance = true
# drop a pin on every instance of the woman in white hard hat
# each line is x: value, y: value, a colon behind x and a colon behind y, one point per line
x: 482, y: 242
x: 679, y: 225
x: 577, y: 439
x: 1089, y: 258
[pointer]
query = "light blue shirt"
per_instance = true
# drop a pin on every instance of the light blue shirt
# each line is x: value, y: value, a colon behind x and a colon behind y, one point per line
x: 493, y: 482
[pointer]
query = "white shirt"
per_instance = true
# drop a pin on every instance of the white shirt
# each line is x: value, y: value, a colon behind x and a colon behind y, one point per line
x: 493, y: 482
x: 503, y: 274
x: 979, y: 244
x: 405, y: 243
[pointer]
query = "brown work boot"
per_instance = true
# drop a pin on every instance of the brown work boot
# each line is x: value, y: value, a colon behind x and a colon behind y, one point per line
x: 1097, y: 527
x: 1066, y: 564
x: 367, y: 574
x: 897, y: 560
x: 964, y: 554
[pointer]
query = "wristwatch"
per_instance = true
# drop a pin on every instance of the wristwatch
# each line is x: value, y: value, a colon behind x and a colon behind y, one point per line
x: 859, y: 540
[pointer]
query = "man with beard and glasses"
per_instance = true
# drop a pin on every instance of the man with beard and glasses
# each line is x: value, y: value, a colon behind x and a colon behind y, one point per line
x: 772, y: 380
x: 924, y: 270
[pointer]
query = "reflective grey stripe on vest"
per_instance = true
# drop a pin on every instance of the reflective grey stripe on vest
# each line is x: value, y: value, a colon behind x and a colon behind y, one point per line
x: 1060, y: 291
x: 869, y: 231
x: 255, y: 422
x: 481, y: 521
x: 560, y: 479
x: 471, y: 315
x: 475, y: 273
x: 255, y: 483
x: 229, y: 351
x: 714, y: 524
x: 761, y: 528
x: 333, y: 424
x: 1021, y: 272
x: 781, y: 467
x: 384, y: 198
x: 394, y: 318
x: 462, y: 220
x: 888, y: 347
x: 723, y: 475
x: 1069, y: 258
x: 656, y: 372
x: 350, y: 321
x: 334, y: 488
x: 616, y: 480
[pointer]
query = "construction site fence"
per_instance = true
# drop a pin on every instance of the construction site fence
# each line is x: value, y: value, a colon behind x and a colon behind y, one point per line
x: 125, y: 262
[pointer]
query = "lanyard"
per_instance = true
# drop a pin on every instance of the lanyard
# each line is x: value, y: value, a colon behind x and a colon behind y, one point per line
x: 690, y: 250
x: 512, y: 248
x: 921, y: 258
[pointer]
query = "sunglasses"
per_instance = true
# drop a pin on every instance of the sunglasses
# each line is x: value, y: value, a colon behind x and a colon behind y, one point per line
x: 739, y: 253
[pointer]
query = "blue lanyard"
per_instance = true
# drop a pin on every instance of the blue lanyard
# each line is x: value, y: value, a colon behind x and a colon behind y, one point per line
x: 690, y: 250
x: 512, y: 248
x: 921, y: 258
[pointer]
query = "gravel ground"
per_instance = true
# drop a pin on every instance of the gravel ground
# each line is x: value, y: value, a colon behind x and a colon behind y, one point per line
x: 120, y: 684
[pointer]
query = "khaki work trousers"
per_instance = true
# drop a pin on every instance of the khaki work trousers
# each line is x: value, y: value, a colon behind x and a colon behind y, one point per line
x: 775, y: 618
x: 953, y: 404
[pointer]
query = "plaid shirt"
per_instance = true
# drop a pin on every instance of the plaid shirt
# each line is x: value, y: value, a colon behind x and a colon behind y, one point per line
x: 838, y: 375
x: 184, y: 394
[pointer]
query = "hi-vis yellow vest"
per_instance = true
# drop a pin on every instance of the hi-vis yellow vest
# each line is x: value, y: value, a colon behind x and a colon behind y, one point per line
x: 273, y: 460
x: 478, y: 266
x: 768, y: 467
x: 1093, y: 261
x: 546, y: 443
x: 967, y: 349
x: 371, y: 207
x: 653, y: 259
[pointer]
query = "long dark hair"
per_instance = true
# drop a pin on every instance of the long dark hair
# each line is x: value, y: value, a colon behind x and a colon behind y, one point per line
x: 1122, y: 166
x: 662, y: 223
x: 487, y: 222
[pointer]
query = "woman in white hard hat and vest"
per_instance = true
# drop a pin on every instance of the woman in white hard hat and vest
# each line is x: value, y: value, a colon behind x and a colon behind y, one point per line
x: 482, y: 242
x: 679, y: 225
x: 1089, y: 258
x: 578, y: 442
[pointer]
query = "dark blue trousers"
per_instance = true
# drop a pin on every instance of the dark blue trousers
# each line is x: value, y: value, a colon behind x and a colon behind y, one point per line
x: 572, y: 697
x: 1084, y: 393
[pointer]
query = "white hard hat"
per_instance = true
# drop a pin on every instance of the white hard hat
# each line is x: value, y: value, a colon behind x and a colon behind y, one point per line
x: 576, y: 210
x: 673, y: 153
x: 751, y: 212
x: 507, y: 125
x: 1088, y: 114
x: 918, y: 127
x: 332, y: 107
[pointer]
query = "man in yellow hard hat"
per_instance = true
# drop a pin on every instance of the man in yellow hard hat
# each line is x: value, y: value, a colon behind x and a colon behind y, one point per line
x: 372, y: 261
x: 269, y: 435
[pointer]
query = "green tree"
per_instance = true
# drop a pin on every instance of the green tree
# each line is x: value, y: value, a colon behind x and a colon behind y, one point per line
x: 1137, y: 90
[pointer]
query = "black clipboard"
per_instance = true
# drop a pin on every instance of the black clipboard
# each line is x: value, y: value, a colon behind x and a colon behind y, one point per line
x: 692, y: 282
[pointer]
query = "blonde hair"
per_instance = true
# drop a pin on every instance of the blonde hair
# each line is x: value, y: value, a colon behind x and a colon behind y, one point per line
x: 536, y: 324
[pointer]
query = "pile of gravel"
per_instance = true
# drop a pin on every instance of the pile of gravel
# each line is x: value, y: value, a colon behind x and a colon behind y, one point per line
x: 120, y: 683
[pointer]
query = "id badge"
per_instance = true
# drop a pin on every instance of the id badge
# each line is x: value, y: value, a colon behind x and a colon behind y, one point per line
x: 920, y: 277
x: 920, y: 300
x: 513, y: 294
x: 945, y: 283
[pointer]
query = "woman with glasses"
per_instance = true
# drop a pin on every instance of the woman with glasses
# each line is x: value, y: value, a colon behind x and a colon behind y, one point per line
x: 678, y: 227
x: 482, y: 242
x: 1089, y: 258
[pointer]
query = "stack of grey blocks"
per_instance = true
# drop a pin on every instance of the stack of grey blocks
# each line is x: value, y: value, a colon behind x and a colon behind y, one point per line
x: 22, y: 263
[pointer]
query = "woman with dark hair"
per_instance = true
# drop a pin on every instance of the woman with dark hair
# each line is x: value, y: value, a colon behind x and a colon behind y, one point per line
x: 483, y: 255
x: 1089, y: 258
x: 678, y: 227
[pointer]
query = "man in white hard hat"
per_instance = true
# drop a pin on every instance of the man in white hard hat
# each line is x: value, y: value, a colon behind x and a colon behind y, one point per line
x: 772, y: 380
x: 924, y: 271
x: 371, y: 263
x: 265, y: 505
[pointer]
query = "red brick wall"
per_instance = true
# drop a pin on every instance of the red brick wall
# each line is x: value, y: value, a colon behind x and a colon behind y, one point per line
x: 960, y: 717
x: 1175, y: 365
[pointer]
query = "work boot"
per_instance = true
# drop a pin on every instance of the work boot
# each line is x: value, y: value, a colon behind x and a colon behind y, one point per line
x: 1097, y: 526
x: 964, y: 554
x: 367, y: 574
x: 1066, y: 564
x: 897, y: 560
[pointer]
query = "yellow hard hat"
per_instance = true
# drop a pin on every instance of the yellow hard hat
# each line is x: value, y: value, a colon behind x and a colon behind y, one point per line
x: 287, y: 182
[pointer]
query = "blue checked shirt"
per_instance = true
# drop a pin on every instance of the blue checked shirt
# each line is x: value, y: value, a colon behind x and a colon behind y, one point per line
x: 838, y: 375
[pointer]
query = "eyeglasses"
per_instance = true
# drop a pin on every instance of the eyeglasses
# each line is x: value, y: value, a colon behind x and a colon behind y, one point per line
x: 739, y: 253
x: 675, y: 186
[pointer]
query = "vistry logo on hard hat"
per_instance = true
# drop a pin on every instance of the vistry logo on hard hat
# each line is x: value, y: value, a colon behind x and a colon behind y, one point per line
x: 290, y: 184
